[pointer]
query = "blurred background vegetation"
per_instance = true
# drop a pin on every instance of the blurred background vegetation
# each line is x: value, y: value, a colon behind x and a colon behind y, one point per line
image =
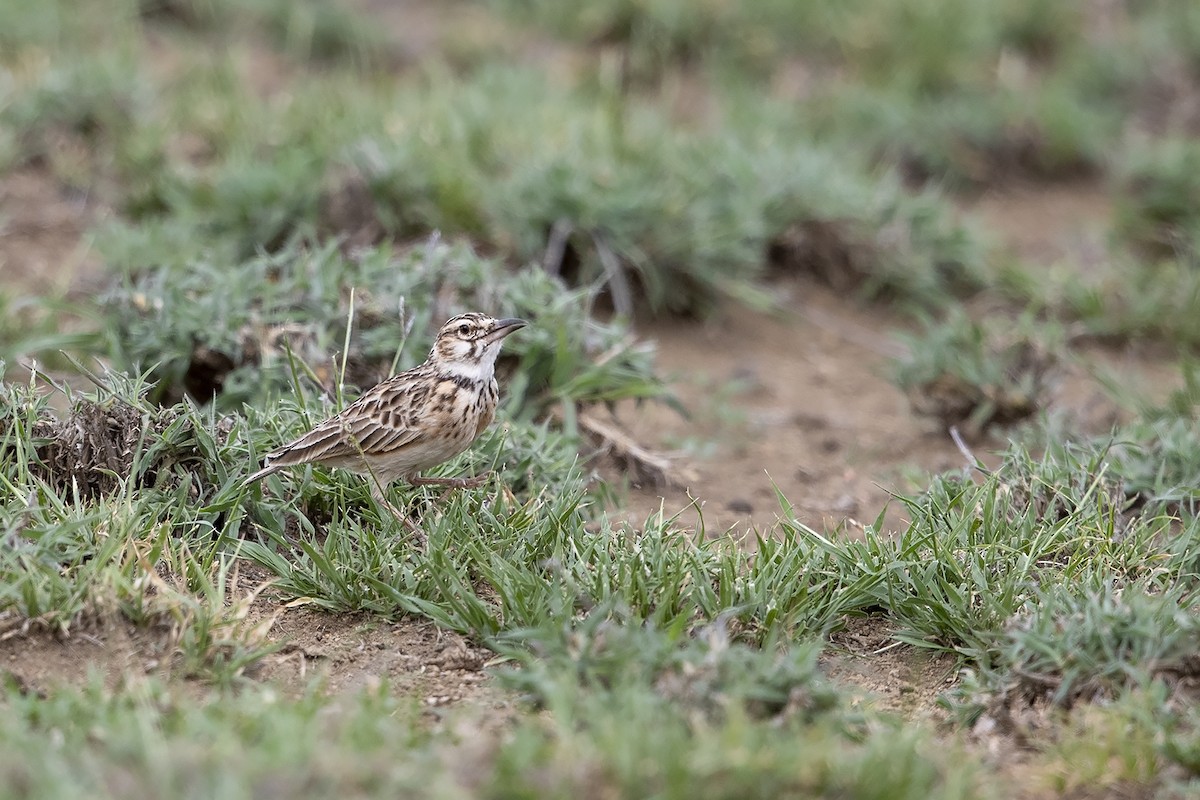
x: 662, y: 154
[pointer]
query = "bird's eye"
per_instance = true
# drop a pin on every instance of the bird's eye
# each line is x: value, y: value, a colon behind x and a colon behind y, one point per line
x: 464, y: 329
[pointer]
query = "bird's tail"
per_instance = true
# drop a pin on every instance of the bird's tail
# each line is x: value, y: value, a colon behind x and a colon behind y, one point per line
x: 262, y: 473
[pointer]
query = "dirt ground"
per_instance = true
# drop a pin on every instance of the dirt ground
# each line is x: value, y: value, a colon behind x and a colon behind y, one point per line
x: 797, y: 400
x: 42, y: 249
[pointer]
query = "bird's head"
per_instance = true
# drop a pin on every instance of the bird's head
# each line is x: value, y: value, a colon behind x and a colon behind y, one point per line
x: 469, y: 343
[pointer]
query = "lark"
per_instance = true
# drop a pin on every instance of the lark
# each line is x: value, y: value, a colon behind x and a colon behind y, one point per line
x: 415, y: 420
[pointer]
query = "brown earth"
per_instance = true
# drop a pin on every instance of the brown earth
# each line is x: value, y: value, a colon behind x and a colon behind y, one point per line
x: 336, y: 652
x: 42, y: 250
x: 797, y: 402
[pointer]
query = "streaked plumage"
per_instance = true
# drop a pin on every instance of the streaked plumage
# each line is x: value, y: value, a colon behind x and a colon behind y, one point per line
x: 415, y: 420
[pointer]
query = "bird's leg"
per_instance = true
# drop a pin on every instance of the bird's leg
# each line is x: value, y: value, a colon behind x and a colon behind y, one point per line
x: 451, y: 484
x: 378, y: 494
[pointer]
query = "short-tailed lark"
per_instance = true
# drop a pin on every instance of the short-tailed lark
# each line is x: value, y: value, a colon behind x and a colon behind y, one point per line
x: 415, y: 420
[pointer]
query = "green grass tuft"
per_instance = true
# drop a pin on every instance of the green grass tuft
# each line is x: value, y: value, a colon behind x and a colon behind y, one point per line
x: 975, y: 374
x: 236, y: 331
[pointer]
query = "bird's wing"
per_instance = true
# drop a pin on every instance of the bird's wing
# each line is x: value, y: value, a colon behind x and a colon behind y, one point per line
x: 377, y: 423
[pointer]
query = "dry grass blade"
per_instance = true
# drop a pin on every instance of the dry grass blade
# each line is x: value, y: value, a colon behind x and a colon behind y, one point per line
x: 618, y: 283
x: 647, y: 466
x: 556, y: 246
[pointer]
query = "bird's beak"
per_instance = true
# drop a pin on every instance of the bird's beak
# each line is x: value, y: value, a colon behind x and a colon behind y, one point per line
x: 504, y: 327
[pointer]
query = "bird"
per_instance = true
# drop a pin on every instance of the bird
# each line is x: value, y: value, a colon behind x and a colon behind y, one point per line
x: 415, y: 420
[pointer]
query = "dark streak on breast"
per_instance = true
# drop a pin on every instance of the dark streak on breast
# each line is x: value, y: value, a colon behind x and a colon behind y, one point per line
x: 461, y: 381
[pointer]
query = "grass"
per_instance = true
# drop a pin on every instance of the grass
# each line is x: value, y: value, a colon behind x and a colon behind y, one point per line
x: 1124, y: 299
x: 1155, y: 211
x: 971, y: 140
x: 903, y: 43
x: 203, y: 168
x: 708, y: 626
x: 146, y: 740
x: 498, y: 158
x: 1107, y: 748
x: 1048, y: 577
x: 33, y: 326
x: 955, y: 92
x: 974, y: 555
x: 974, y: 374
x: 238, y: 331
x: 1094, y: 640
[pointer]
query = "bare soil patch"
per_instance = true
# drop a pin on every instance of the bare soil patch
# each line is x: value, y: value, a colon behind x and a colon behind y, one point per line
x: 352, y: 651
x: 892, y: 677
x: 801, y: 402
x: 340, y: 652
x: 797, y: 401
x: 1047, y: 222
x: 41, y: 233
x: 40, y: 660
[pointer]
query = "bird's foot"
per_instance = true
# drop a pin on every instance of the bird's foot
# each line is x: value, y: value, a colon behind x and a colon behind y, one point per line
x: 453, y: 483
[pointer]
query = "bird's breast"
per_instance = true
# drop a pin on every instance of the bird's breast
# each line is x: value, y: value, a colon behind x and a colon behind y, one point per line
x: 487, y: 406
x: 462, y: 408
